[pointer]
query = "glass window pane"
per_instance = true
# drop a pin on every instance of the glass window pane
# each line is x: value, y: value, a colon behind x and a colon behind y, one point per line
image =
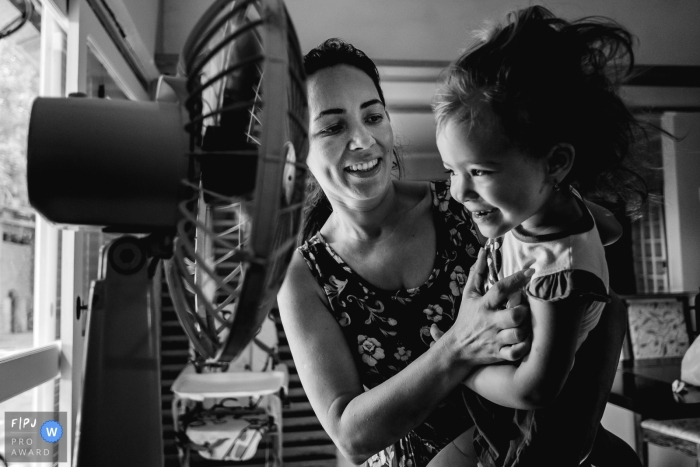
x: 99, y: 82
x: 20, y: 56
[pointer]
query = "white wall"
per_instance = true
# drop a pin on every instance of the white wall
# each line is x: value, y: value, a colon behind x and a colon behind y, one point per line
x: 178, y: 19
x: 682, y: 199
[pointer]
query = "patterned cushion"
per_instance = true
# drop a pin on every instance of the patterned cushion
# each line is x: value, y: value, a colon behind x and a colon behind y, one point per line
x: 657, y: 328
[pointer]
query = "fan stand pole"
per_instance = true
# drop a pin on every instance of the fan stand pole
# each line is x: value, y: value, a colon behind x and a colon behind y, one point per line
x: 119, y: 422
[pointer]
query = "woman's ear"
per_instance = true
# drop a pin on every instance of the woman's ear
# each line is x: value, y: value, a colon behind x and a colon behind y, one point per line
x: 560, y: 160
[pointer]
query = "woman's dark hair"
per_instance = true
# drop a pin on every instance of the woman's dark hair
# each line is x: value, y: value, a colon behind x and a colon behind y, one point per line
x: 541, y: 80
x: 335, y: 52
x: 331, y: 53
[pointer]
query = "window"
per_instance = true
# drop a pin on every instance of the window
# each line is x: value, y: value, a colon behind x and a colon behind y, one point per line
x: 32, y: 63
x: 649, y: 232
x: 19, y: 85
x: 51, y: 267
x: 649, y: 243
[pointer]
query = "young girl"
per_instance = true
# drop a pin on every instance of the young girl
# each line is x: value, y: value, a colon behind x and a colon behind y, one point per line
x: 527, y: 119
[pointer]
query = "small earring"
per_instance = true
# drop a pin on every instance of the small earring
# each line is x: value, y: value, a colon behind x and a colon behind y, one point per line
x: 557, y: 187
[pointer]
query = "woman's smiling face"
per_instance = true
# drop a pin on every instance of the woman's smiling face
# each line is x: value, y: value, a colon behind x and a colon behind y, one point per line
x: 499, y: 184
x: 350, y: 137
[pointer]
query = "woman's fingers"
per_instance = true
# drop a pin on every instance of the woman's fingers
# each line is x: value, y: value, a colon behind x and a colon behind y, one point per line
x: 515, y: 336
x: 474, y: 287
x: 515, y: 299
x: 515, y: 352
x: 512, y: 317
x: 435, y: 333
x: 512, y: 336
x: 499, y: 293
x: 482, y: 317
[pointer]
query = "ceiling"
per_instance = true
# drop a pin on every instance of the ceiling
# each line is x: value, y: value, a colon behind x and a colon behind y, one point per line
x: 668, y: 30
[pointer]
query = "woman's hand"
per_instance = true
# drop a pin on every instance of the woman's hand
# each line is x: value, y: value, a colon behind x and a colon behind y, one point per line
x: 483, y: 332
x: 361, y: 422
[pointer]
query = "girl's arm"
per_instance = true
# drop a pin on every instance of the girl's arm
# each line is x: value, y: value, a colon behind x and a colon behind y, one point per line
x: 363, y: 423
x: 537, y: 379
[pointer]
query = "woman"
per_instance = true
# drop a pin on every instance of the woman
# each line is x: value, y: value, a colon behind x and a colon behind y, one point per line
x: 381, y: 272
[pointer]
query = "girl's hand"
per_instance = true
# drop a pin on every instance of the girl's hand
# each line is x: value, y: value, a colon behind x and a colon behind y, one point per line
x: 484, y: 333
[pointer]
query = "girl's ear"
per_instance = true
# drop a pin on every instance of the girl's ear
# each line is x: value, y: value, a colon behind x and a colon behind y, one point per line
x: 560, y: 160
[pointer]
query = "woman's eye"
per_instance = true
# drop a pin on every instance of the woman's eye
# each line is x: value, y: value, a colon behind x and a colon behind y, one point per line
x: 478, y: 173
x: 449, y: 171
x: 329, y: 130
x: 376, y: 118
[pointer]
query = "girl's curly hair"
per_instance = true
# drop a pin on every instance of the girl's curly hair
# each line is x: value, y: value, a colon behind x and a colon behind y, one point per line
x: 541, y: 80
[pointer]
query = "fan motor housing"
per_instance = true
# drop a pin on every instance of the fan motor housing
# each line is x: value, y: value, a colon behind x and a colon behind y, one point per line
x: 116, y: 164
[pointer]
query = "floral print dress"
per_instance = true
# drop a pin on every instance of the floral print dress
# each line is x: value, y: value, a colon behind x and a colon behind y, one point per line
x: 387, y: 330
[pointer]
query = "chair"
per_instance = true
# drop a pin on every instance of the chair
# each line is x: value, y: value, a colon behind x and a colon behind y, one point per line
x: 228, y: 416
x: 660, y: 328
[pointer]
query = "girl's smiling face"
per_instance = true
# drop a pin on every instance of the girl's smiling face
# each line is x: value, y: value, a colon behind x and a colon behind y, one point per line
x: 499, y: 184
x: 350, y: 137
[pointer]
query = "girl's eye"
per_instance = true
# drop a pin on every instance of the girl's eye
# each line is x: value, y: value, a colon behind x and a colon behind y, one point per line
x: 478, y: 173
x: 449, y: 171
x: 376, y: 118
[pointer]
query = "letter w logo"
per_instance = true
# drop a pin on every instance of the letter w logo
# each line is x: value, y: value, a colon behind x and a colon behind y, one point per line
x: 52, y: 431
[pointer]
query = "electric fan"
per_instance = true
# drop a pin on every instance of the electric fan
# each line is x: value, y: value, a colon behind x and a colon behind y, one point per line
x: 214, y: 172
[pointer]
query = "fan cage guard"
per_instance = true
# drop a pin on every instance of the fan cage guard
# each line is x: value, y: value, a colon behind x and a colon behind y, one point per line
x: 248, y: 141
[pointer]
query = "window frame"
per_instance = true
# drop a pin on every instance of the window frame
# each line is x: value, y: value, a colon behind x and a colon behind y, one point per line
x: 52, y: 358
x: 43, y: 356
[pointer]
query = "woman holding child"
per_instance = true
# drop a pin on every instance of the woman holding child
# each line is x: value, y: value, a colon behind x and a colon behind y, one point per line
x: 386, y: 320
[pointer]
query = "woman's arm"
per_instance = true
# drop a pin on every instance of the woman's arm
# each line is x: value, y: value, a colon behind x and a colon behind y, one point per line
x: 539, y: 377
x: 362, y: 423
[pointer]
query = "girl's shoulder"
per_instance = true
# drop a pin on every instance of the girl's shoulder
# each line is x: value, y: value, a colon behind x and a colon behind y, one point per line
x: 568, y: 263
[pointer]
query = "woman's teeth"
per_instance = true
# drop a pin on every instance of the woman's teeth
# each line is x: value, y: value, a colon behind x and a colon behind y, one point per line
x: 479, y: 214
x: 364, y: 166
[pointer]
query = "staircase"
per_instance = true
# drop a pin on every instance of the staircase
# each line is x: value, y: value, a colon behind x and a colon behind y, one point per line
x: 174, y: 356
